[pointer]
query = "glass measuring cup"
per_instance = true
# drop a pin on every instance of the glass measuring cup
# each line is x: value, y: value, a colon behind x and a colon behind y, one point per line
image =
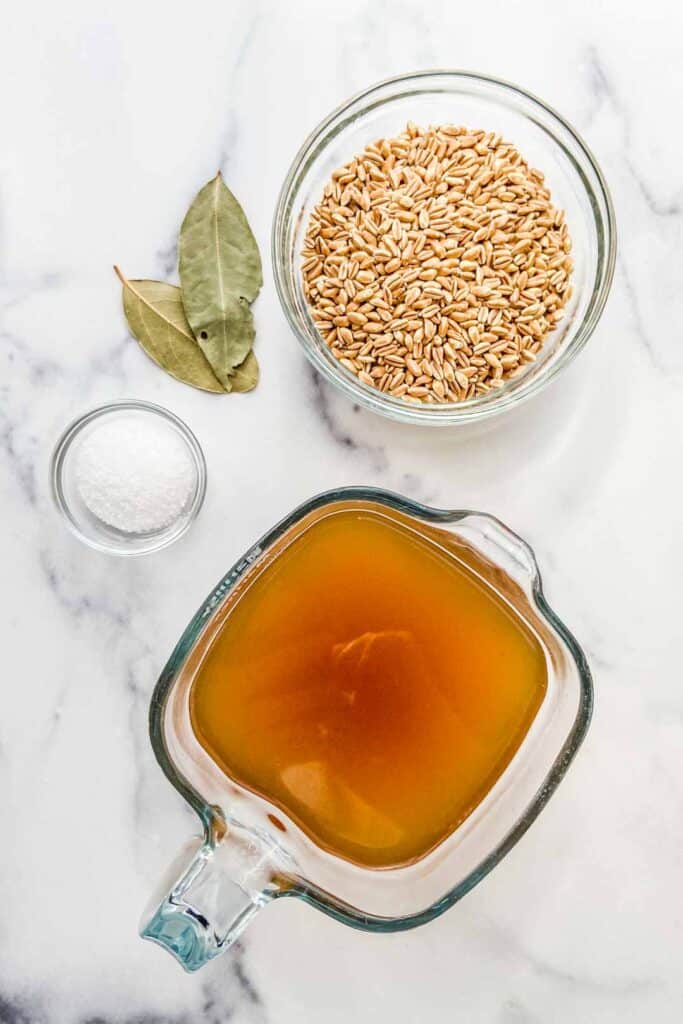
x: 250, y: 853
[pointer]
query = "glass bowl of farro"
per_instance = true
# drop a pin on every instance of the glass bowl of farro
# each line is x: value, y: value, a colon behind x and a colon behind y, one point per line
x: 443, y: 245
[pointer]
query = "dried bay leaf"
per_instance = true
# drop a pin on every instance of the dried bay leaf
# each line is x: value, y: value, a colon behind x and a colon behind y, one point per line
x: 203, y: 332
x: 156, y: 317
x: 220, y: 274
x: 245, y: 376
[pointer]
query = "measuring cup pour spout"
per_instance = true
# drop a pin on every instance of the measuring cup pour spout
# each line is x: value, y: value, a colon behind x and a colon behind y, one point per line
x: 212, y: 891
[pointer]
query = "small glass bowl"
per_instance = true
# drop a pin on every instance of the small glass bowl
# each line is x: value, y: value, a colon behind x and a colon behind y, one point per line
x: 88, y: 527
x: 476, y: 101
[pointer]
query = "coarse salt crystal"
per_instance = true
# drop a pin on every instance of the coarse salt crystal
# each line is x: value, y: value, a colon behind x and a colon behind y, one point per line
x: 134, y: 474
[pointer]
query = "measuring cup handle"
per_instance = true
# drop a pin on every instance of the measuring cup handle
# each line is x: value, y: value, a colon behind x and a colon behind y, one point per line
x: 505, y: 549
x: 210, y: 900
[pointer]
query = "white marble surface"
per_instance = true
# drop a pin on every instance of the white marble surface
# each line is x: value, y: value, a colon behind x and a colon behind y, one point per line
x: 113, y: 116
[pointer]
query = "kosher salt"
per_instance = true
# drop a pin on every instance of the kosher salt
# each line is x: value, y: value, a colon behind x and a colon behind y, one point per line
x: 135, y: 475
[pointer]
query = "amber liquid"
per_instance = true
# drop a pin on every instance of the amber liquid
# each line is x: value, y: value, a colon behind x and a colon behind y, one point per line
x: 370, y: 686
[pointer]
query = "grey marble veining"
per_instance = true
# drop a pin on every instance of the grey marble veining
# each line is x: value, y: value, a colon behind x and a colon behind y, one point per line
x: 113, y: 118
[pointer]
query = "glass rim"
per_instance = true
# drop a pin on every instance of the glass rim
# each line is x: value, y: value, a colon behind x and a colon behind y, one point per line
x: 157, y: 541
x: 600, y: 201
x: 309, y: 892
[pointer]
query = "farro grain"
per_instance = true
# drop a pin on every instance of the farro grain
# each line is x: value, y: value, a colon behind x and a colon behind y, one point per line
x: 436, y: 265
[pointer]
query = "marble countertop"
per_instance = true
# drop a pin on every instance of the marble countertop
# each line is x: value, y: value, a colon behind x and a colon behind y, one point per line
x: 114, y: 115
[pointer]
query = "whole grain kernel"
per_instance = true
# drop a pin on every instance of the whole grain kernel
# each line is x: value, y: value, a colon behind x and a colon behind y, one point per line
x: 436, y: 265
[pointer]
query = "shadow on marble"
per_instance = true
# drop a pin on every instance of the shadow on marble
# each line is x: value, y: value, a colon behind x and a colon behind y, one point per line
x: 563, y: 439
